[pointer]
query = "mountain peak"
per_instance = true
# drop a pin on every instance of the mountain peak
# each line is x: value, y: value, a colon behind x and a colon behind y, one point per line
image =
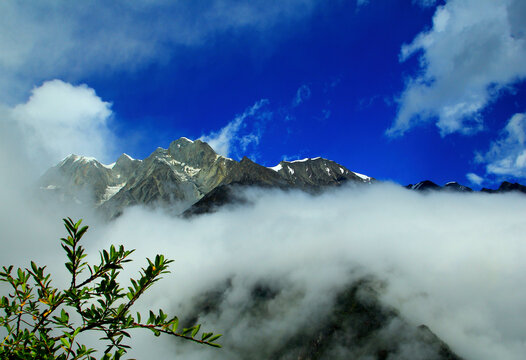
x: 125, y: 157
x: 72, y: 158
x: 182, y: 141
x: 195, y: 153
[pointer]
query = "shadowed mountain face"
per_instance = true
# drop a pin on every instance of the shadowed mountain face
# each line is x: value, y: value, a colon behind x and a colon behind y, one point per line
x: 356, y: 325
x: 182, y: 175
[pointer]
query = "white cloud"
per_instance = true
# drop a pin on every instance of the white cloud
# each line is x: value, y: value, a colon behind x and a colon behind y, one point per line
x: 303, y: 93
x: 232, y: 139
x: 507, y: 155
x: 59, y: 119
x: 44, y: 39
x: 474, y: 50
x: 474, y: 178
x: 451, y: 261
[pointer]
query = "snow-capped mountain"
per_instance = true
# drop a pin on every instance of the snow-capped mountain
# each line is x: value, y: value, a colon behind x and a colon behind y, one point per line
x: 182, y: 175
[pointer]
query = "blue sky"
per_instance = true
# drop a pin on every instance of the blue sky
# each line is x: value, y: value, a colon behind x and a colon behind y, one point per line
x: 397, y: 90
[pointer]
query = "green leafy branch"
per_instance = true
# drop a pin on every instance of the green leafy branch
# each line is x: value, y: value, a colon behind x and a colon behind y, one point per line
x: 36, y: 315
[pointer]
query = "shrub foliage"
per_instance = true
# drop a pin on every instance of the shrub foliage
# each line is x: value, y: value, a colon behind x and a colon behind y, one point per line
x: 40, y: 321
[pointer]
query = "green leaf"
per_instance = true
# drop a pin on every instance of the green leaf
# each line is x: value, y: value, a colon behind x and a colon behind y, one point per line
x: 206, y: 336
x: 215, y: 337
x: 65, y: 342
x: 175, y: 324
x: 196, y: 330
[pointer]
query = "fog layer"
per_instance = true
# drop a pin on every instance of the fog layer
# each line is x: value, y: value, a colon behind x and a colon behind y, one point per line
x: 450, y: 261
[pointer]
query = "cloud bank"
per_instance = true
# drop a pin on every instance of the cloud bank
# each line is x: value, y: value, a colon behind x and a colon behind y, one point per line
x: 473, y: 52
x: 450, y: 261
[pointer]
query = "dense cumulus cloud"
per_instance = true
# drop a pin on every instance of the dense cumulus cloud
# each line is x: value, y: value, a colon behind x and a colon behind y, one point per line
x: 60, y: 118
x: 473, y: 52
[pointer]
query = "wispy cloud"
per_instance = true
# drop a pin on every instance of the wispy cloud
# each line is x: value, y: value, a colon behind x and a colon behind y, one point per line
x: 233, y: 138
x: 71, y: 40
x: 360, y: 3
x: 507, y: 155
x: 474, y: 178
x: 425, y: 3
x: 303, y: 93
x: 473, y: 51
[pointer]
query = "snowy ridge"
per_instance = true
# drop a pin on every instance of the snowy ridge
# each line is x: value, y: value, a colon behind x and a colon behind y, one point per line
x: 303, y: 160
x: 129, y: 157
x: 362, y: 176
x: 276, y: 168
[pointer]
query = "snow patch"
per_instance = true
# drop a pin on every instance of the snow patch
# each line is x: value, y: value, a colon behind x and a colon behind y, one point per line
x: 341, y: 170
x: 306, y: 159
x: 191, y: 170
x: 111, y: 191
x: 86, y: 159
x: 362, y: 176
x: 223, y: 157
x: 187, y: 139
x: 291, y: 170
x: 276, y: 168
x: 328, y: 171
x: 128, y: 156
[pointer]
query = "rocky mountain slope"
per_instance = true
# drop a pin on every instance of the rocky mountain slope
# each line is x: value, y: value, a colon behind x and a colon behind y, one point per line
x: 181, y: 176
